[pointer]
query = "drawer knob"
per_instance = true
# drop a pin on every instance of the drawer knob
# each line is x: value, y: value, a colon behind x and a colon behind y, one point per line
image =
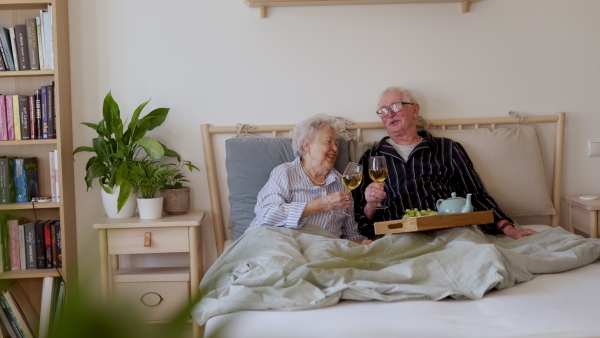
x: 151, y: 299
x: 148, y: 239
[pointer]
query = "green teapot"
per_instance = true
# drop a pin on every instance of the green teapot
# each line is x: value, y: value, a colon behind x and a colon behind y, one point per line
x: 454, y: 205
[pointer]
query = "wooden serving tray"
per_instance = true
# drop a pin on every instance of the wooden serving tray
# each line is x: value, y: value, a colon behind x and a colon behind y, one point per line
x: 433, y: 222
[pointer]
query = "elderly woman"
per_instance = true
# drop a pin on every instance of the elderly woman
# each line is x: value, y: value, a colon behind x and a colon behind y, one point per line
x: 309, y: 189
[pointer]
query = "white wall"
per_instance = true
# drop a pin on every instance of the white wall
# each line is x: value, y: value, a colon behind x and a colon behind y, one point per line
x: 217, y: 62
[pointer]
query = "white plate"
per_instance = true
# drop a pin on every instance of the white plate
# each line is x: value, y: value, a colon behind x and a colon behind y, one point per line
x: 588, y: 197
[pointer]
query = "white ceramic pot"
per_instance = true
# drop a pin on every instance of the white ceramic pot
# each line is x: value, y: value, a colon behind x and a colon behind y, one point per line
x: 110, y: 204
x: 150, y: 208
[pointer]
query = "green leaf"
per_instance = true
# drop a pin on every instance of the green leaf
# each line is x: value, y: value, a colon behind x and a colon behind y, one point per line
x: 155, y: 118
x: 82, y: 148
x: 151, y: 146
x: 122, y: 176
x: 124, y: 192
x: 112, y: 115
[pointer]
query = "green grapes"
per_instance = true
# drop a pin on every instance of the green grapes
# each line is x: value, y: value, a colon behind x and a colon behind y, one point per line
x: 416, y: 213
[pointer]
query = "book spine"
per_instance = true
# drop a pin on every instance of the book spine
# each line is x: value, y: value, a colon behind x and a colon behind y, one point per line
x: 48, y: 243
x: 19, y: 177
x: 16, y: 117
x: 48, y: 294
x: 32, y: 125
x: 7, y: 183
x: 30, y: 317
x: 51, y: 114
x: 22, y: 48
x: 24, y: 327
x: 3, y: 126
x: 10, y: 124
x: 52, y: 176
x: 5, y: 244
x: 48, y: 42
x: 32, y: 44
x: 30, y: 245
x: 7, y: 319
x: 22, y: 254
x: 5, y: 41
x: 44, y: 98
x: 39, y: 246
x: 3, y: 62
x: 24, y: 117
x: 13, y: 44
x: 38, y: 113
x: 57, y: 186
x: 32, y: 186
x: 58, y: 242
x: 13, y: 238
x: 38, y: 28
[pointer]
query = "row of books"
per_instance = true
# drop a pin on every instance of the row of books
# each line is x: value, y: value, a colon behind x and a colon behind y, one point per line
x: 28, y: 117
x: 18, y: 179
x: 30, y: 245
x: 28, y: 46
x: 18, y: 319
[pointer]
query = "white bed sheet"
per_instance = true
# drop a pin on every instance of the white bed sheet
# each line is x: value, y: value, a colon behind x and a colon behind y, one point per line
x: 550, y: 305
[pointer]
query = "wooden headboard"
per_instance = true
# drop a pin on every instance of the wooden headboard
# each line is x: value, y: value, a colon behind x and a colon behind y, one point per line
x: 208, y: 132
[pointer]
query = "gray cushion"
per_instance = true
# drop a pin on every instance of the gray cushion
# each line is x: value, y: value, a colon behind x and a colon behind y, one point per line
x: 249, y: 162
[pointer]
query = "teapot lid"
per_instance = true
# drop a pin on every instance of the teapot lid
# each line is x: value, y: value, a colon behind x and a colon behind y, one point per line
x: 453, y: 194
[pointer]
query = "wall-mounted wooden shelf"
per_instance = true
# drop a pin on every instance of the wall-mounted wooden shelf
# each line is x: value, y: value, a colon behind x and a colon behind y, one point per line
x: 264, y: 4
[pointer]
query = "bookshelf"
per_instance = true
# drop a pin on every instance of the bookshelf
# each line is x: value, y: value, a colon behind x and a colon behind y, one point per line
x: 14, y: 12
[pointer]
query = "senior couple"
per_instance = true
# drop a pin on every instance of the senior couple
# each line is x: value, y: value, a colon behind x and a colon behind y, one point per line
x: 309, y: 189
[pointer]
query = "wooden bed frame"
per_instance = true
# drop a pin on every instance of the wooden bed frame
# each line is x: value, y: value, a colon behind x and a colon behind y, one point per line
x: 209, y: 131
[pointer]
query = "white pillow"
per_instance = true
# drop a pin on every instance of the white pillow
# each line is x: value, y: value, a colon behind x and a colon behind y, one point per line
x: 510, y: 164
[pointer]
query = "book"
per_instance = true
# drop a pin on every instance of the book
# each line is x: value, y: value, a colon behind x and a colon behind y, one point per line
x: 26, y: 178
x: 48, y: 243
x: 13, y: 46
x: 6, y: 51
x: 7, y: 320
x: 10, y: 125
x: 38, y: 28
x: 3, y: 330
x: 7, y: 182
x: 22, y: 323
x: 57, y: 186
x: 32, y: 44
x: 4, y: 240
x: 46, y: 309
x: 51, y: 111
x: 13, y: 244
x: 30, y: 245
x: 44, y: 110
x: 60, y: 296
x: 22, y: 257
x: 47, y: 36
x: 16, y: 117
x: 24, y: 115
x: 40, y: 253
x: 32, y: 126
x: 3, y: 127
x: 38, y: 113
x: 56, y: 243
x: 22, y: 48
x: 52, y: 176
x: 25, y: 306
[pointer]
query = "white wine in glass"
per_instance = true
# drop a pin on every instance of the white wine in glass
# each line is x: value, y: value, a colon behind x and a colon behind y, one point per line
x: 378, y: 172
x: 351, y: 178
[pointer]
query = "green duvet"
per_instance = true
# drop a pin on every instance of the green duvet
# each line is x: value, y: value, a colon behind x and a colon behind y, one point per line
x: 271, y: 268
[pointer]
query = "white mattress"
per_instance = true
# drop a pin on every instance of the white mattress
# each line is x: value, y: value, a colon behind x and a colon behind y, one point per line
x: 552, y: 305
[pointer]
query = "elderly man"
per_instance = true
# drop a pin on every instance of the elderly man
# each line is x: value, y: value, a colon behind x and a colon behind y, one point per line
x: 422, y: 169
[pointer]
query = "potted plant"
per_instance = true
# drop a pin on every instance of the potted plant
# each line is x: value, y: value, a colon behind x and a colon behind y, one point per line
x: 176, y: 196
x: 147, y: 178
x: 114, y: 147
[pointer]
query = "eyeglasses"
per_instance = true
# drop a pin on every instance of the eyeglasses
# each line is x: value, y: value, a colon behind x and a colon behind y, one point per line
x: 395, y: 107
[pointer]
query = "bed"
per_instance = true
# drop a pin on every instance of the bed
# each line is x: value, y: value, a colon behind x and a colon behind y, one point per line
x: 458, y: 282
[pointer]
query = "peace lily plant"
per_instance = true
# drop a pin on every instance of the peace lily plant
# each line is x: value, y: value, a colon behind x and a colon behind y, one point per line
x: 114, y: 148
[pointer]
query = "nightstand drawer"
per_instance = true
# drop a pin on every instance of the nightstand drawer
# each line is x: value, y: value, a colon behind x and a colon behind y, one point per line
x: 154, y: 300
x: 158, y: 240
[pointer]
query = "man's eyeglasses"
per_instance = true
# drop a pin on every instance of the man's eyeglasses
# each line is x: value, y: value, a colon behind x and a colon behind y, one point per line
x: 395, y: 107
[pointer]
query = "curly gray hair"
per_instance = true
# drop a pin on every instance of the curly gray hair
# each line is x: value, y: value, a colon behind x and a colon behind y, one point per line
x: 409, y: 96
x: 306, y: 131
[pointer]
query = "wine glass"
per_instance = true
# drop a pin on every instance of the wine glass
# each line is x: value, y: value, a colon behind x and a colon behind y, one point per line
x: 351, y: 178
x: 378, y: 172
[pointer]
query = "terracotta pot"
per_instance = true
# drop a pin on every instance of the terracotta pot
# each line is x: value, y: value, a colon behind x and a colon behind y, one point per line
x: 177, y: 201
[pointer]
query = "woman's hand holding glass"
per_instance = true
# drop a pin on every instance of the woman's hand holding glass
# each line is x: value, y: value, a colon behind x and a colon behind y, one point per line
x: 351, y: 179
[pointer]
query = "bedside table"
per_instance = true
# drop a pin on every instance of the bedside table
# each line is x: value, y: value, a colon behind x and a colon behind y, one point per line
x: 159, y: 293
x: 583, y: 215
